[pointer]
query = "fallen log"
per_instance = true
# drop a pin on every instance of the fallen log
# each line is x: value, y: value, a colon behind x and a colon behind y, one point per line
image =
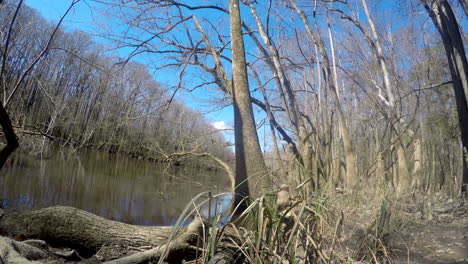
x: 63, y: 226
x: 89, y: 234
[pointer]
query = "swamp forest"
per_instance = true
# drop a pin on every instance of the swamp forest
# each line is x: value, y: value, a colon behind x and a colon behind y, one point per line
x: 235, y: 131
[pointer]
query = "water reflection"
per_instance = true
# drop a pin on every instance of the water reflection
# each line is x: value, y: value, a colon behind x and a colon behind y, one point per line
x: 115, y: 187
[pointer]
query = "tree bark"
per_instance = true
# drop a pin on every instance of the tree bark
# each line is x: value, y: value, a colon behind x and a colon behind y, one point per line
x: 444, y: 19
x: 250, y: 166
x: 15, y: 252
x: 417, y: 161
x: 403, y: 172
x: 65, y: 226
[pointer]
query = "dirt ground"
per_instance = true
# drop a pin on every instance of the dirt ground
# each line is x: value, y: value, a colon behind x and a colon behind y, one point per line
x: 440, y: 236
x: 421, y: 232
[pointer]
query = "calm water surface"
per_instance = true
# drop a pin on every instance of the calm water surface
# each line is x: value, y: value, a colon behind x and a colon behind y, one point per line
x: 115, y: 187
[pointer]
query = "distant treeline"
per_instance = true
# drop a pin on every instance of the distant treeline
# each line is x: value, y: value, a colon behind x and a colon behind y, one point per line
x: 79, y: 95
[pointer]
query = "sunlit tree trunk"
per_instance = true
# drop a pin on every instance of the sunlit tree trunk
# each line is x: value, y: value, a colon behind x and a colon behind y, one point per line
x: 444, y: 19
x: 403, y: 172
x: 289, y: 100
x: 417, y: 161
x: 250, y: 167
x: 350, y: 162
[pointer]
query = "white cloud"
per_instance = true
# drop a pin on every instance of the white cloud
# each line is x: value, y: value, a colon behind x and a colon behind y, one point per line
x: 220, y: 125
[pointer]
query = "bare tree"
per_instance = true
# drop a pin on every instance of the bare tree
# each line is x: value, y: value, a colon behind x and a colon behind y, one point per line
x: 5, y: 121
x: 332, y: 83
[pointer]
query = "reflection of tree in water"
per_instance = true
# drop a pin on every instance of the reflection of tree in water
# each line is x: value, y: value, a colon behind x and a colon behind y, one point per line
x: 213, y: 206
x: 138, y: 194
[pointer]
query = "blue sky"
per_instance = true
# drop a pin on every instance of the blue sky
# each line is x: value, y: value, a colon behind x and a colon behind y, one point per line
x: 84, y: 16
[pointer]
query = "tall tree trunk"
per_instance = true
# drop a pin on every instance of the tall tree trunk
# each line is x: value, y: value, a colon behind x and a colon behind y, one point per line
x: 377, y: 48
x: 417, y: 160
x: 444, y: 19
x: 403, y: 171
x: 380, y: 58
x: 250, y: 167
x: 289, y: 99
x: 350, y: 161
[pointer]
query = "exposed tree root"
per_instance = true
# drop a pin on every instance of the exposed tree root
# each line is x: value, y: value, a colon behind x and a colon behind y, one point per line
x: 15, y: 252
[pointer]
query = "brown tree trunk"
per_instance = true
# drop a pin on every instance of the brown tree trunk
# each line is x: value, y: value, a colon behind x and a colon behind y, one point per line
x: 447, y: 25
x: 404, y: 182
x: 250, y: 166
x: 417, y: 160
x: 64, y: 226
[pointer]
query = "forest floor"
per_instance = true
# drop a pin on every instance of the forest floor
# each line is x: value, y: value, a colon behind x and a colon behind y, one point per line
x: 420, y: 231
x: 423, y: 229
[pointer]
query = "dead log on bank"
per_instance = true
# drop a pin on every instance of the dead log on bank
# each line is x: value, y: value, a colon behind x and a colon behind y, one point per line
x: 63, y: 226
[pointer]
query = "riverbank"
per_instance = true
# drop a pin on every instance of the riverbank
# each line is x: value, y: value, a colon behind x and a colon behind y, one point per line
x: 43, y: 146
x: 414, y: 232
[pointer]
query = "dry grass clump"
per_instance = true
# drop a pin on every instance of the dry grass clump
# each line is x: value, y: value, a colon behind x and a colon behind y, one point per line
x: 303, y: 232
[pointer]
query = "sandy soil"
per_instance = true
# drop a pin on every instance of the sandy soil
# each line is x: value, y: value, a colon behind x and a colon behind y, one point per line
x: 420, y: 232
x: 439, y: 236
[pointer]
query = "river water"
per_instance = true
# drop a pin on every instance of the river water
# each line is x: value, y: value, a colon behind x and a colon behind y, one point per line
x: 115, y: 187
